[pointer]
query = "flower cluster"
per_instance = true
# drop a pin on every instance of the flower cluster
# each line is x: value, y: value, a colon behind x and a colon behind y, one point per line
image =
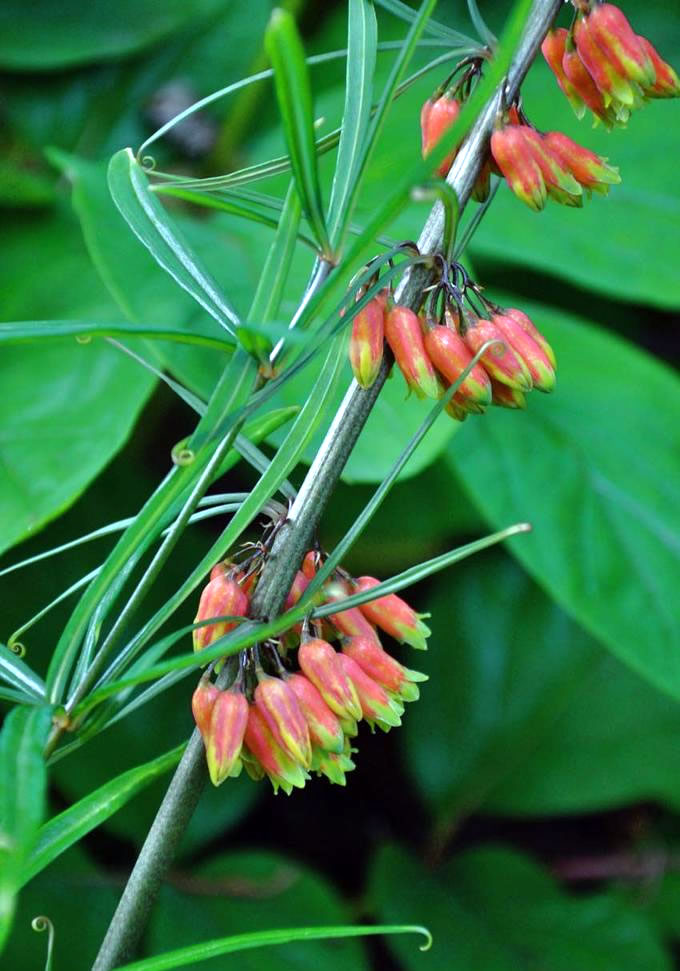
x: 433, y: 349
x: 293, y: 706
x: 602, y: 64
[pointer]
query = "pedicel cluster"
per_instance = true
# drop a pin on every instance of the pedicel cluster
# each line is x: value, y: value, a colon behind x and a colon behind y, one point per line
x: 293, y: 705
x: 433, y: 348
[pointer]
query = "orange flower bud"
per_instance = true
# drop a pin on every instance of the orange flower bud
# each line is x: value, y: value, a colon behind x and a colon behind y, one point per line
x: 450, y: 355
x: 500, y: 361
x: 380, y: 666
x: 527, y: 325
x: 507, y: 397
x: 265, y: 751
x: 366, y: 342
x: 310, y: 564
x: 325, y: 731
x: 537, y: 362
x: 279, y: 707
x: 225, y: 736
x: 613, y: 34
x: 319, y: 662
x: 559, y: 182
x: 516, y: 162
x: 601, y: 69
x: 202, y: 703
x: 376, y: 705
x: 393, y: 615
x: 553, y: 48
x: 587, y: 168
x: 405, y: 337
x: 667, y: 84
x: 222, y: 596
x: 436, y: 117
x: 350, y: 622
x: 576, y: 73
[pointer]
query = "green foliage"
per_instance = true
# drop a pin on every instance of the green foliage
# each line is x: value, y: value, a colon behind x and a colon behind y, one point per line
x: 496, y: 909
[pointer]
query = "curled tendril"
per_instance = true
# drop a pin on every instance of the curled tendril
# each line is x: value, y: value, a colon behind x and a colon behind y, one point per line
x: 41, y: 924
x: 148, y: 163
x: 428, y: 939
x: 83, y: 338
x: 181, y: 455
x: 16, y: 647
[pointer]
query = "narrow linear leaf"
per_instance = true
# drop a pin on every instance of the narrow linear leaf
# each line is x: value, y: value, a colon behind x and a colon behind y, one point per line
x: 186, y: 956
x: 154, y: 228
x: 294, y: 94
x: 31, y: 331
x: 23, y: 784
x: 17, y: 673
x: 362, y: 36
x: 61, y: 832
x: 404, y: 12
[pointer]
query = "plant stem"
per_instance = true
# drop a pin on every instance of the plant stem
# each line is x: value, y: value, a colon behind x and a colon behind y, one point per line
x: 295, y: 536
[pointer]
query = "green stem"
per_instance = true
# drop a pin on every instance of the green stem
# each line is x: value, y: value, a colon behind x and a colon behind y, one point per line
x: 294, y: 538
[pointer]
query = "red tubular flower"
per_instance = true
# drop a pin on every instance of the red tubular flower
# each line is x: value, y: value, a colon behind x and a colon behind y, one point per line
x: 602, y: 70
x: 350, y: 622
x: 366, y: 342
x: 202, y: 703
x: 325, y: 731
x: 222, y: 596
x: 269, y: 756
x: 436, y: 117
x: 393, y: 615
x: 527, y: 325
x: 612, y: 33
x: 559, y: 182
x: 376, y: 705
x: 507, y: 397
x: 576, y: 73
x: 513, y: 157
x: 279, y: 707
x: 319, y: 662
x: 405, y: 337
x: 225, y: 737
x: 553, y: 48
x: 482, y: 186
x: 449, y: 354
x: 333, y: 765
x: 383, y: 668
x: 499, y: 361
x: 300, y: 584
x: 310, y: 564
x: 667, y: 84
x: 539, y: 366
x: 587, y: 168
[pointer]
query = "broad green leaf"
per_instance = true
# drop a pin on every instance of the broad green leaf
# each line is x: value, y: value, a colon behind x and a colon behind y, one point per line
x: 593, y: 468
x: 624, y: 245
x: 53, y: 444
x: 62, y: 831
x: 260, y: 892
x: 495, y: 909
x: 535, y: 709
x: 156, y: 229
x: 23, y: 784
x: 41, y: 36
x: 78, y: 899
x: 294, y: 94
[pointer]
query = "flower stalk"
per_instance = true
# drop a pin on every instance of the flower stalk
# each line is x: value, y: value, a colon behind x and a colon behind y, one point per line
x: 295, y: 536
